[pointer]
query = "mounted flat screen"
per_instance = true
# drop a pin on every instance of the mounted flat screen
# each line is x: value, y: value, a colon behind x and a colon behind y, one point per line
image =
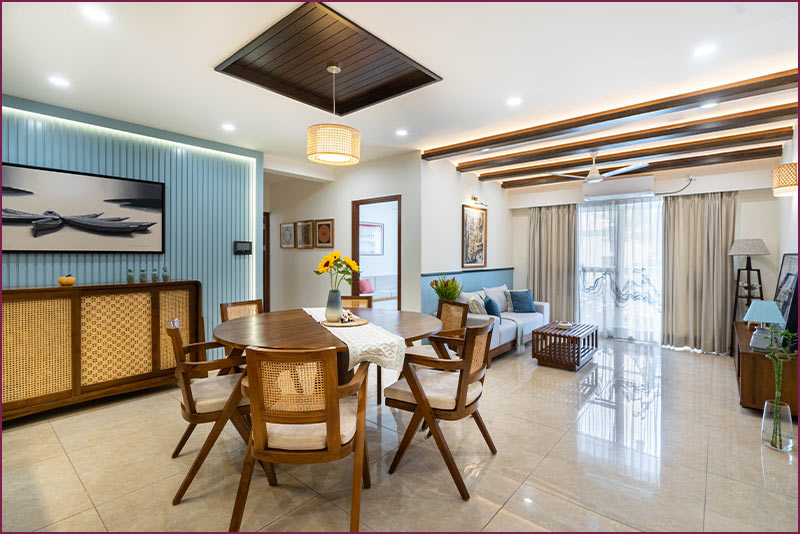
x: 48, y: 210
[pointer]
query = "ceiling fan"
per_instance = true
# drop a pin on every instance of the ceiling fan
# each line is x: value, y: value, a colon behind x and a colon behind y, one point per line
x: 595, y: 175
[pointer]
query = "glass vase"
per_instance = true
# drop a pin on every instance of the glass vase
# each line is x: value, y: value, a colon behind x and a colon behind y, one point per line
x: 776, y: 426
x: 333, y: 311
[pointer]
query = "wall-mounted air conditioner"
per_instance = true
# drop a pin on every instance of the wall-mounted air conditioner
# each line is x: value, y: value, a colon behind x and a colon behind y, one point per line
x: 619, y: 188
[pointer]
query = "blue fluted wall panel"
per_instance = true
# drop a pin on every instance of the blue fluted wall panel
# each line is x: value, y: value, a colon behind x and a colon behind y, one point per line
x: 470, y: 281
x: 209, y: 204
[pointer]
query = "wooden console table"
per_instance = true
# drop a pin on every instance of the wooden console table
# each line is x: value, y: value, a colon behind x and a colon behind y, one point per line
x: 755, y: 376
x: 65, y: 345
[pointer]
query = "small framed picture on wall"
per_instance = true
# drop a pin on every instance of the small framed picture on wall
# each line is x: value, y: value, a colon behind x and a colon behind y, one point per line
x: 370, y: 239
x: 305, y: 234
x: 473, y: 236
x: 323, y: 233
x: 288, y: 236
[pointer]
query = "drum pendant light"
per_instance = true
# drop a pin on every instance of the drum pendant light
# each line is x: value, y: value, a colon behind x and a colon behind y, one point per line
x: 331, y: 143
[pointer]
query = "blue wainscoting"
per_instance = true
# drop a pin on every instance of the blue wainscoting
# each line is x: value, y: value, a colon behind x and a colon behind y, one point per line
x: 472, y: 280
x: 212, y: 199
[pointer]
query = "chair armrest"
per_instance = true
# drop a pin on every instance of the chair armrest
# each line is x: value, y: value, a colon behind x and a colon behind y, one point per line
x: 351, y: 388
x: 436, y: 363
x: 544, y: 309
x: 205, y: 367
x: 201, y: 346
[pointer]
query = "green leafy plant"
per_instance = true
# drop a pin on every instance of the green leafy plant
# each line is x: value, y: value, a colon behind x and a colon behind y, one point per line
x: 446, y: 288
x: 780, y: 348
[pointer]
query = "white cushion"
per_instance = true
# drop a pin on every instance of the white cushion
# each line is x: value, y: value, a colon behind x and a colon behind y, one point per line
x: 476, y: 306
x: 210, y: 394
x: 428, y: 351
x: 464, y: 296
x: 498, y: 294
x: 315, y: 435
x: 439, y: 386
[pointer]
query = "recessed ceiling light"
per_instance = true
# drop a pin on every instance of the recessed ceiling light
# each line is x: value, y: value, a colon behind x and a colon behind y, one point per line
x: 705, y: 49
x: 514, y: 101
x: 59, y: 81
x: 228, y: 127
x: 402, y: 133
x: 709, y: 105
x: 95, y: 13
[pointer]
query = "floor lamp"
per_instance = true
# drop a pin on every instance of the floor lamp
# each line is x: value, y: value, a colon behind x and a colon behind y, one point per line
x: 748, y: 247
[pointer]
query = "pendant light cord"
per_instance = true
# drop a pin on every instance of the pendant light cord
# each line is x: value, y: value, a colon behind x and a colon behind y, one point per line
x: 334, y: 97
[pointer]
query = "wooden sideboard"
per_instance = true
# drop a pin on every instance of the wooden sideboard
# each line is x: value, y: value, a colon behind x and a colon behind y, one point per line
x: 755, y: 375
x: 66, y: 345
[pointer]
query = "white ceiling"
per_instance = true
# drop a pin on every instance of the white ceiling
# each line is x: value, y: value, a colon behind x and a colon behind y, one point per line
x: 153, y: 64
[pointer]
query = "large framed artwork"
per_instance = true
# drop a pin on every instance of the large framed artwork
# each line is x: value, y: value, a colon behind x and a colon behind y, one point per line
x: 323, y: 233
x: 370, y: 239
x: 50, y: 210
x: 288, y: 236
x: 305, y: 234
x: 473, y: 236
x: 786, y: 290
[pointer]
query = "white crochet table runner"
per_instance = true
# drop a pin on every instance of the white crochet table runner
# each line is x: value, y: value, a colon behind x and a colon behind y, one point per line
x: 367, y: 343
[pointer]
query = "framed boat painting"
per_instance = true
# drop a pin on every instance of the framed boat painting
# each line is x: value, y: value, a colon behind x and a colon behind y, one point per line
x: 50, y: 210
x: 473, y: 237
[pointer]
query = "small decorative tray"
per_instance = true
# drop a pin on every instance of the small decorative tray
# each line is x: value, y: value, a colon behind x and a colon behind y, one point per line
x: 358, y: 321
x: 564, y: 326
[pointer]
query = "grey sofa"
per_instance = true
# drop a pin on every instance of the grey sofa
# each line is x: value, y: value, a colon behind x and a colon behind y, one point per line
x: 504, y: 337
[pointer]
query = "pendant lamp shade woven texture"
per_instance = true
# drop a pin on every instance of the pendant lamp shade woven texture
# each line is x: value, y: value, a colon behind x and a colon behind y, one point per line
x: 784, y: 179
x: 333, y: 144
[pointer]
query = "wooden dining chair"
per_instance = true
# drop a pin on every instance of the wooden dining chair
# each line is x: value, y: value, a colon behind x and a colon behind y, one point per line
x: 360, y: 301
x: 302, y: 416
x: 244, y: 308
x: 205, y: 398
x: 454, y: 321
x: 446, y: 389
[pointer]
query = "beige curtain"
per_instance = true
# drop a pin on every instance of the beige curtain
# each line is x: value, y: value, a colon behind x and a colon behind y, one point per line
x: 552, y: 259
x: 698, y: 273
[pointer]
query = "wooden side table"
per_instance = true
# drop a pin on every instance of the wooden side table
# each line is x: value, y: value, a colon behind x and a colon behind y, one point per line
x: 566, y: 349
x: 755, y: 376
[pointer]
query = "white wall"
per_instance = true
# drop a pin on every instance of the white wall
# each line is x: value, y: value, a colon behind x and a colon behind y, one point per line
x: 444, y: 190
x: 293, y: 284
x: 384, y: 213
x: 758, y: 216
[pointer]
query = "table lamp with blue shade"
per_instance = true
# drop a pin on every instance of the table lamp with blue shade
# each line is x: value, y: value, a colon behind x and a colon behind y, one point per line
x: 764, y: 312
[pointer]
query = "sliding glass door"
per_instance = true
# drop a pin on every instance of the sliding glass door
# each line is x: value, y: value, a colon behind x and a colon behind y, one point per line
x: 619, y: 267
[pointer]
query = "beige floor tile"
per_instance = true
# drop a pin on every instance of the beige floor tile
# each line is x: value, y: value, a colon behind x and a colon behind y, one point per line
x: 28, y: 444
x: 87, y: 521
x: 208, y: 503
x: 736, y: 506
x: 317, y: 515
x: 41, y: 494
x: 532, y: 510
x: 638, y: 489
x: 125, y: 463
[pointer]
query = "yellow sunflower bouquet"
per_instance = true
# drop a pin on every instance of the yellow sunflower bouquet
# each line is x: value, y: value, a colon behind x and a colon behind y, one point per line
x: 339, y: 268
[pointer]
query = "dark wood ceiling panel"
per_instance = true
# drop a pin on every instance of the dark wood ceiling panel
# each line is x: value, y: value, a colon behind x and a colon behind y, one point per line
x: 671, y: 131
x: 291, y: 58
x: 716, y: 143
x: 665, y: 165
x: 770, y: 83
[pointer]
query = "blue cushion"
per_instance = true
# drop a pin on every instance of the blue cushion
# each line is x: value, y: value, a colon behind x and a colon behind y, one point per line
x: 492, y: 308
x: 522, y: 301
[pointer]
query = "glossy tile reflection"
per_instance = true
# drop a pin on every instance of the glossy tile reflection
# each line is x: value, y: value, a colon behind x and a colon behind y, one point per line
x: 641, y: 438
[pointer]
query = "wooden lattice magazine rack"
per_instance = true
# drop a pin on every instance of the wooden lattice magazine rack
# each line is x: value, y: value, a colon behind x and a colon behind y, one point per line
x: 68, y: 345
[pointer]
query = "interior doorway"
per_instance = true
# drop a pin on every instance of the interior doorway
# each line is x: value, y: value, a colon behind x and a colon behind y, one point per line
x: 376, y: 242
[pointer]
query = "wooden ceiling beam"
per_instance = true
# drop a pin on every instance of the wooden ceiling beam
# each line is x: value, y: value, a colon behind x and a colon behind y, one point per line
x: 730, y: 141
x: 670, y: 131
x: 670, y: 164
x: 770, y: 83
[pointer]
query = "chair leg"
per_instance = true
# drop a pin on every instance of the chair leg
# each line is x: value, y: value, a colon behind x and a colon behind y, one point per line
x: 407, y: 437
x: 365, y: 475
x: 448, y: 456
x: 378, y: 382
x: 241, y: 495
x: 184, y: 439
x: 358, y: 465
x: 484, y: 431
x: 243, y: 428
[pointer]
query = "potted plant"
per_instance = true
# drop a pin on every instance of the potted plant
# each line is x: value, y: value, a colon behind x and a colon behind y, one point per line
x: 340, y: 269
x: 446, y: 288
x: 776, y: 422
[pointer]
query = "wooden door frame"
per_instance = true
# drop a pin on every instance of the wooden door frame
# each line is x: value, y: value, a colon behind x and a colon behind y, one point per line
x: 356, y: 220
x: 265, y: 267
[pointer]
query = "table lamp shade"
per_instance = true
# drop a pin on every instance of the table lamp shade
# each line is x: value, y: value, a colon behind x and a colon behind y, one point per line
x: 748, y: 247
x: 764, y: 311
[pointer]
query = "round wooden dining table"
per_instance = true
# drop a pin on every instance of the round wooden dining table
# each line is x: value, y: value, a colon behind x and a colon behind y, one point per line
x: 295, y: 329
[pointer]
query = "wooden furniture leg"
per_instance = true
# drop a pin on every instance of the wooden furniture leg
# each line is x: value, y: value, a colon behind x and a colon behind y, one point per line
x: 484, y: 431
x: 244, y: 430
x: 367, y: 480
x: 407, y: 437
x: 241, y: 494
x: 358, y: 466
x: 379, y: 382
x: 186, y: 434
